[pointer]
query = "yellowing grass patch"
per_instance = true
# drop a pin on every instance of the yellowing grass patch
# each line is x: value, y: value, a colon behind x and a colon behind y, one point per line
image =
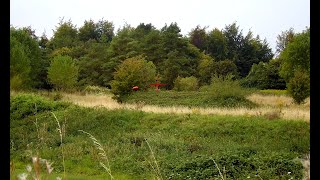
x: 269, y: 104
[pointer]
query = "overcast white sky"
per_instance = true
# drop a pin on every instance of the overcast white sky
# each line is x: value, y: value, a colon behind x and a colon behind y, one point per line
x: 266, y: 18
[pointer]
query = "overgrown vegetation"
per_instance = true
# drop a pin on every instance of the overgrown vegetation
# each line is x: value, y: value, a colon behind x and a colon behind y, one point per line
x: 223, y: 92
x: 184, y: 146
x: 186, y: 84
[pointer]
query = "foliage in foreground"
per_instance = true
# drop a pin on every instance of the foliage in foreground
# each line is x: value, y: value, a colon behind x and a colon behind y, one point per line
x: 184, y: 145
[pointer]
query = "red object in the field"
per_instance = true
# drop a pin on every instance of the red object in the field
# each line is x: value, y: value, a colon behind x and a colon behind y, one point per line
x: 135, y: 88
x: 157, y: 85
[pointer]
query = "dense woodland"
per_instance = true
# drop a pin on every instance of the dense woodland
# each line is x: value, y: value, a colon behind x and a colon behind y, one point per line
x: 94, y: 54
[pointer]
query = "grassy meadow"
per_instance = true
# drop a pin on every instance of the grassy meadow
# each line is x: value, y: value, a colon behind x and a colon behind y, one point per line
x: 164, y: 135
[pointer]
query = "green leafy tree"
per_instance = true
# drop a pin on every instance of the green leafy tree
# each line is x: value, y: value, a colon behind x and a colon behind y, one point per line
x: 217, y: 45
x: 265, y: 76
x: 295, y: 66
x: 284, y: 39
x: 63, y: 73
x: 88, y: 31
x: 102, y: 31
x: 65, y: 35
x: 173, y: 67
x: 296, y: 56
x: 252, y: 51
x: 275, y: 81
x: 223, y: 68
x: 198, y: 37
x: 25, y: 37
x: 234, y: 39
x: 105, y: 31
x: 172, y: 39
x: 206, y: 69
x: 19, y: 65
x: 152, y: 47
x: 92, y: 69
x: 299, y: 86
x: 135, y: 71
x: 245, y: 51
x: 45, y: 62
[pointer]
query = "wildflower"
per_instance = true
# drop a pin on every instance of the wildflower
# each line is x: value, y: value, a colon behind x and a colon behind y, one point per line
x: 22, y: 176
x: 34, y: 159
x: 29, y: 168
x: 49, y: 168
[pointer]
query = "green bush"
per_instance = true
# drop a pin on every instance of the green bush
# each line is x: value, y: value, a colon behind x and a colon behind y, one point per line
x: 227, y: 92
x: 299, y: 87
x: 227, y: 87
x: 23, y: 105
x: 186, y: 84
x: 243, y: 164
x: 131, y: 72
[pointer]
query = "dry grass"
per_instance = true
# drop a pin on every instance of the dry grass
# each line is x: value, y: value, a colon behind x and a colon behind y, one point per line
x: 277, y: 101
x: 269, y: 104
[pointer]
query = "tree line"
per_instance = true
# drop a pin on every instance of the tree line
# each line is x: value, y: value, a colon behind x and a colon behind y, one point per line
x: 93, y: 53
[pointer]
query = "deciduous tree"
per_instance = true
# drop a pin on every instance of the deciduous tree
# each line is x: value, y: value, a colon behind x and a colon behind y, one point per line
x: 63, y: 73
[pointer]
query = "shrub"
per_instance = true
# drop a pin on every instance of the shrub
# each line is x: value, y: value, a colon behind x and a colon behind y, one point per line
x: 186, y: 84
x: 299, y: 87
x: 225, y: 86
x: 23, y: 105
x: 239, y: 165
x: 227, y: 92
x: 134, y: 71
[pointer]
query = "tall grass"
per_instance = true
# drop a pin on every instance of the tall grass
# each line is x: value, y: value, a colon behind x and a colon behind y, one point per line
x: 184, y: 144
x: 61, y: 143
x: 102, y: 153
x: 267, y: 104
x: 156, y: 169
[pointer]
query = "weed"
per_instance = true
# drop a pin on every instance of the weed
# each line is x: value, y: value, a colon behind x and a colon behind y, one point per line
x: 35, y: 172
x: 61, y: 143
x: 102, y: 153
x: 155, y: 167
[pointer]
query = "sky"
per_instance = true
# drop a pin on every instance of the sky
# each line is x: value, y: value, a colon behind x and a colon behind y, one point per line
x: 266, y: 18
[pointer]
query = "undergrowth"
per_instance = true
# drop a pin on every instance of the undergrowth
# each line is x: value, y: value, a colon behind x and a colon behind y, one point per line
x: 183, y: 146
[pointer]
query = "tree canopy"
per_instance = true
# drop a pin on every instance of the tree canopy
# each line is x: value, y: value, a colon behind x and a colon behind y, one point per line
x: 98, y: 50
